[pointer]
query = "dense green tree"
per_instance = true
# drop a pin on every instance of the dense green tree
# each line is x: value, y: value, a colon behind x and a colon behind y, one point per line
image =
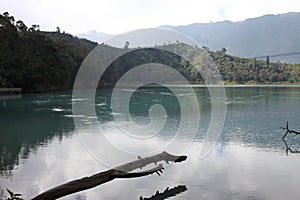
x: 267, y: 61
x: 21, y: 27
x: 126, y: 45
x: 223, y: 50
x: 35, y: 61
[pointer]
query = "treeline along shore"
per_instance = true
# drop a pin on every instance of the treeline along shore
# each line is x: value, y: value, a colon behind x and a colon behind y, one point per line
x: 39, y: 61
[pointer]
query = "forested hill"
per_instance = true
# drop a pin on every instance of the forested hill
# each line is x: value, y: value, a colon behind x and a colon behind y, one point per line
x: 233, y: 69
x: 40, y: 61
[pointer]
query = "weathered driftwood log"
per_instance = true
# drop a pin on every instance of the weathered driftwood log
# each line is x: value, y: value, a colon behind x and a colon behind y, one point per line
x: 109, y: 175
x: 167, y: 193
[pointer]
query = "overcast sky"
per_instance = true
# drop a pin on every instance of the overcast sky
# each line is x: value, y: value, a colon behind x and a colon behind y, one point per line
x: 117, y: 16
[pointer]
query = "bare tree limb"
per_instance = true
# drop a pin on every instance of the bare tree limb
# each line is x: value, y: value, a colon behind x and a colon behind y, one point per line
x: 288, y: 149
x: 109, y: 175
x: 288, y: 130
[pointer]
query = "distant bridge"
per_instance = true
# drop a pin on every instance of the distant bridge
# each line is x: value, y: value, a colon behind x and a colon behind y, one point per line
x: 278, y: 55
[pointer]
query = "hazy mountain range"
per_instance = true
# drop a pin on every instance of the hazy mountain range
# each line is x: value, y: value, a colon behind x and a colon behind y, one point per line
x: 95, y: 36
x: 261, y: 36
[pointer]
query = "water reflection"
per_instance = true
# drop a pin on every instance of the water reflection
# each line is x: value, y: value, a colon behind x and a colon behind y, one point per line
x: 255, y: 115
x: 288, y: 149
x: 288, y: 131
x: 27, y: 124
x: 167, y: 193
x: 4, y: 98
x: 238, y: 173
x: 38, y: 146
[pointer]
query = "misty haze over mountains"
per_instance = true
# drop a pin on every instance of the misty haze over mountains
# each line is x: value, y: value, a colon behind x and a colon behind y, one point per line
x: 95, y: 36
x: 261, y: 36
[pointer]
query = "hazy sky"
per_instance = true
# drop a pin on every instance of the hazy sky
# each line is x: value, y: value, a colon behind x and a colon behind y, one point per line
x: 117, y: 16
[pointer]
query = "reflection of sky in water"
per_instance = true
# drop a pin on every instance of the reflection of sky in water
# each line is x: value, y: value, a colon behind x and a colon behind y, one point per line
x: 249, y: 161
x: 230, y: 172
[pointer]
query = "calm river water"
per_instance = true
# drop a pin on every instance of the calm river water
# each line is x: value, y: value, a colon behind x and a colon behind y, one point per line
x: 40, y: 146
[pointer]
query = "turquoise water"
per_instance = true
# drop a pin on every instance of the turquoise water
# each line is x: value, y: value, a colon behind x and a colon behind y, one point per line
x: 40, y: 146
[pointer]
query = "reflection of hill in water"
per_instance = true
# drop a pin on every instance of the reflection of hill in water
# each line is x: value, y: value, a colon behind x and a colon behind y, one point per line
x: 255, y: 115
x: 29, y: 123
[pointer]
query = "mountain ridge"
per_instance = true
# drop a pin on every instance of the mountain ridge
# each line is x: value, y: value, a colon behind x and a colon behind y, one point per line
x: 253, y: 37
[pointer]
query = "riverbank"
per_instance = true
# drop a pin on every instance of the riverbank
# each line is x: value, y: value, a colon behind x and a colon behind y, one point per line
x: 8, y: 91
x: 194, y: 85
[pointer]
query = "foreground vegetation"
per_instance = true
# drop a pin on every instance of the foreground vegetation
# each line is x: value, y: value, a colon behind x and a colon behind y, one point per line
x: 40, y: 61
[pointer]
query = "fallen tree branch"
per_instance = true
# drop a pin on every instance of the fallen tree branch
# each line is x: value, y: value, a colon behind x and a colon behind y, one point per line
x: 109, y: 175
x: 288, y: 130
x: 283, y: 138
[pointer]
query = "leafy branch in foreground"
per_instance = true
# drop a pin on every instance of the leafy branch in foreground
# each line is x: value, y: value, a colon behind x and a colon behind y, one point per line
x: 13, y: 196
